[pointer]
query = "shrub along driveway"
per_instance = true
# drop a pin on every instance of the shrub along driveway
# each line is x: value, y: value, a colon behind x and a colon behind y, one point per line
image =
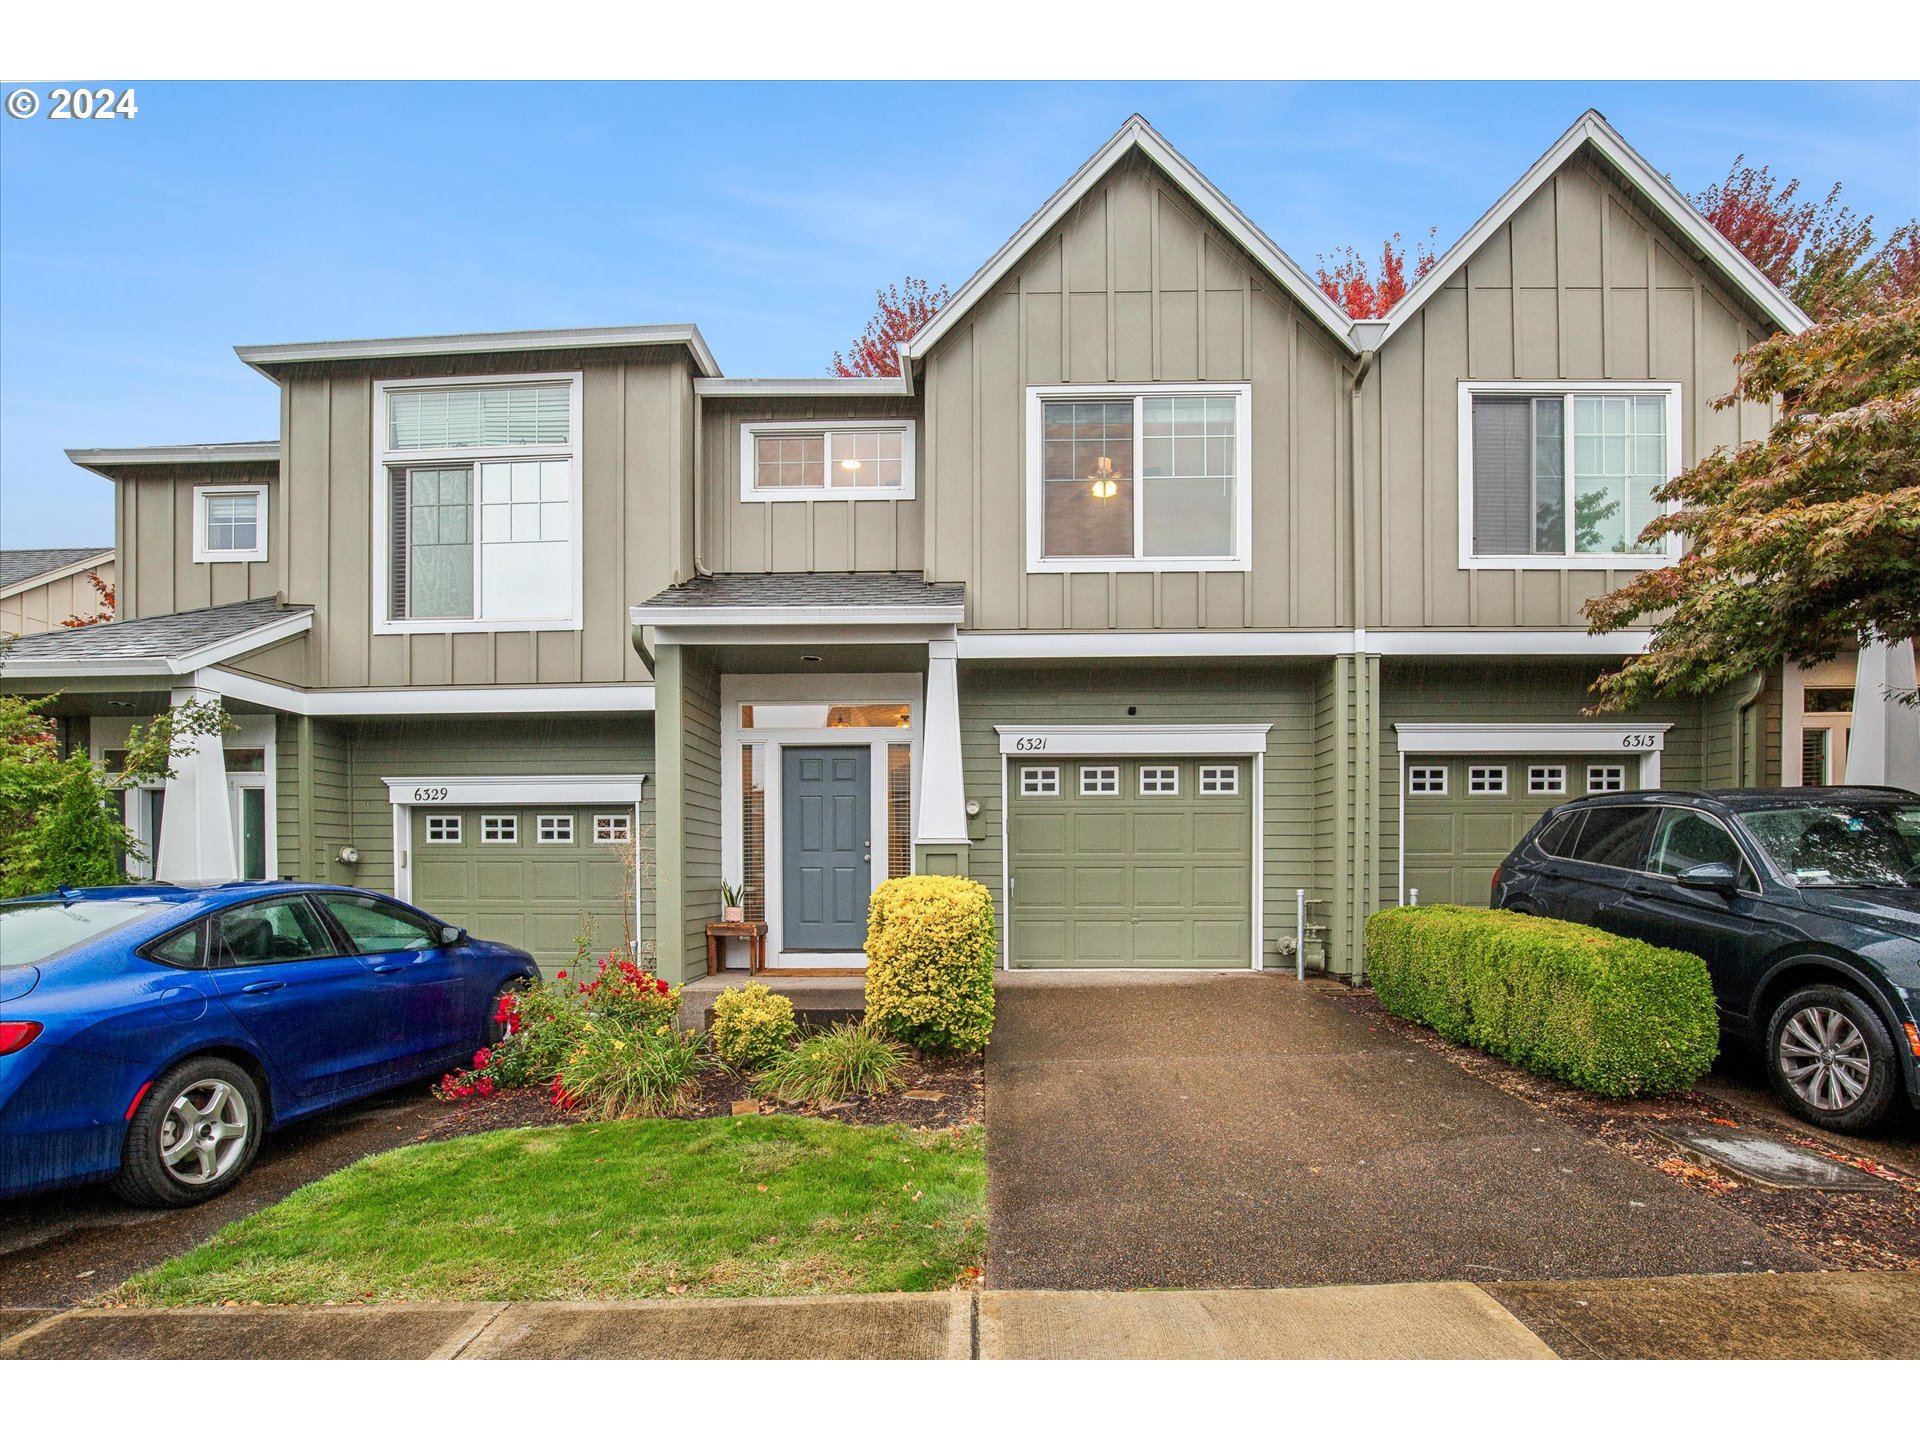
x: 1228, y: 1130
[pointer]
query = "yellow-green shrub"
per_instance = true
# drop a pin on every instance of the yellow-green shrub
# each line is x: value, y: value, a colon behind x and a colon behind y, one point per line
x: 752, y: 1026
x: 930, y: 951
x: 1605, y: 1013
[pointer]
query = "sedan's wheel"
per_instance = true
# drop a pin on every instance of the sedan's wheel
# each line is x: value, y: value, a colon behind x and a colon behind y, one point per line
x: 1831, y: 1059
x: 193, y: 1134
x: 496, y: 1029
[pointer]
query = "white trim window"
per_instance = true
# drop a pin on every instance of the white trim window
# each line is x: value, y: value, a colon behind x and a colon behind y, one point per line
x: 1129, y: 477
x: 615, y: 828
x: 1562, y: 476
x: 443, y: 829
x: 1606, y: 779
x: 1426, y: 780
x: 1159, y: 779
x: 1099, y: 779
x: 477, y: 516
x: 826, y: 459
x: 499, y: 829
x: 1486, y: 780
x: 1040, y: 780
x: 1546, y: 780
x: 229, y: 523
x: 1219, y: 779
x: 553, y: 829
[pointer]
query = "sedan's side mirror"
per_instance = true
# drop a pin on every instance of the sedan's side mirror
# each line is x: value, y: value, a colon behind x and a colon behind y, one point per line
x: 454, y: 935
x: 1717, y: 877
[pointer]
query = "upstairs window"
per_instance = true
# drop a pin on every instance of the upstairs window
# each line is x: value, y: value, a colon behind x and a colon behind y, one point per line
x: 478, y: 520
x: 229, y: 523
x: 811, y: 460
x: 1565, y: 478
x: 1148, y: 479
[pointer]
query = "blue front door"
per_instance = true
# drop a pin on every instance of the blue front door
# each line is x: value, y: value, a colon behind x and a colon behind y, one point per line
x: 826, y: 847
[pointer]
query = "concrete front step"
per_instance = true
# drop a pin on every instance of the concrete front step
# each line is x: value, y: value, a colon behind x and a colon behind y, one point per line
x: 818, y: 1000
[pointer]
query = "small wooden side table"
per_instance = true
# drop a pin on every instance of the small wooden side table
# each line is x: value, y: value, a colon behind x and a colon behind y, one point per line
x: 754, y: 932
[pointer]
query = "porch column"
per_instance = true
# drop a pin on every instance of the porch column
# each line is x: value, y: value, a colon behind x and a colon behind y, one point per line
x: 943, y: 790
x: 1884, y: 745
x: 196, y: 826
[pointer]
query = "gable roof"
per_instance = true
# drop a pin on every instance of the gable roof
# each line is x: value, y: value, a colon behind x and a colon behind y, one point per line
x: 19, y: 568
x: 175, y: 644
x: 1592, y: 129
x: 1136, y: 134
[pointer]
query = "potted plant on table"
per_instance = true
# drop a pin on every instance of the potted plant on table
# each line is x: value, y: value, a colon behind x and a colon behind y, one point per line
x: 732, y: 909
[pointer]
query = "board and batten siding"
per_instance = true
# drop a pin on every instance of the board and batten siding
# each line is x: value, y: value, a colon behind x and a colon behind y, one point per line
x: 846, y: 532
x: 43, y: 607
x: 314, y: 800
x: 635, y: 457
x: 1582, y: 284
x: 1134, y: 286
x: 153, y: 537
x: 1277, y: 694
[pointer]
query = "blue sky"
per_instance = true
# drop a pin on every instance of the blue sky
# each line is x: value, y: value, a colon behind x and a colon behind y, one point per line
x: 135, y: 254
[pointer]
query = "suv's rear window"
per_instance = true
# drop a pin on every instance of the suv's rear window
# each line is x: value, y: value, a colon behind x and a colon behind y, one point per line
x: 1558, y: 838
x: 1614, y: 835
x: 33, y: 932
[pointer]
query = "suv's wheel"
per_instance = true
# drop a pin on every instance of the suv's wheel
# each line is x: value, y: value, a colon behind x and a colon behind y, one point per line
x: 192, y: 1136
x: 1831, y: 1059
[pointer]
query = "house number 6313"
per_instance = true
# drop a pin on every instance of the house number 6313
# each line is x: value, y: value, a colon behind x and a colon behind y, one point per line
x: 1640, y: 741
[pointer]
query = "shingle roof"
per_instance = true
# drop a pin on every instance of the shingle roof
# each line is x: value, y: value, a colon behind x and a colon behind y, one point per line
x: 19, y: 566
x: 814, y: 589
x: 150, y: 638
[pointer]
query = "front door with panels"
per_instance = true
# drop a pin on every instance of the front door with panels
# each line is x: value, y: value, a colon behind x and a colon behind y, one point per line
x: 538, y: 876
x: 1131, y: 863
x: 1465, y: 813
x: 826, y: 847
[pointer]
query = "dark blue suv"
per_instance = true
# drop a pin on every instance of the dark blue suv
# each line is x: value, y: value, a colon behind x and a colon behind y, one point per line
x: 1804, y: 903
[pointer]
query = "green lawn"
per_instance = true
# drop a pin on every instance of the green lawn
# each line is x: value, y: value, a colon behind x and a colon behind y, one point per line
x: 753, y: 1206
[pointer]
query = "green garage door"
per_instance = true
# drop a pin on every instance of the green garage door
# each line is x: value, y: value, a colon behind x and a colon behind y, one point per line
x: 1131, y: 863
x: 1465, y: 813
x: 533, y: 877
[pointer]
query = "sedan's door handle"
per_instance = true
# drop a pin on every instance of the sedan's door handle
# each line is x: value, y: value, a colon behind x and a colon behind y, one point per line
x: 263, y: 987
x: 388, y: 969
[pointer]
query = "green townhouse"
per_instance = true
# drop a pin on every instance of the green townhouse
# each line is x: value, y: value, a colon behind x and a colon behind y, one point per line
x: 1193, y: 618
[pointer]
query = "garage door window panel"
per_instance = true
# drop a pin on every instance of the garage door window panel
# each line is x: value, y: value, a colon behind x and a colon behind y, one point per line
x: 443, y: 829
x: 1546, y: 779
x: 1159, y: 779
x: 1220, y: 780
x: 553, y: 830
x: 1427, y: 780
x: 1606, y: 779
x: 615, y: 829
x: 1486, y: 779
x: 1039, y: 780
x: 1098, y: 780
x: 499, y: 829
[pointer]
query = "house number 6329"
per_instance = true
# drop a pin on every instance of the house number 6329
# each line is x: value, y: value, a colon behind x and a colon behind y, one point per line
x: 429, y: 792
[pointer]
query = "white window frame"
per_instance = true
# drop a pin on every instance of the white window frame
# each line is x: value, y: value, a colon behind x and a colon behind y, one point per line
x: 202, y: 553
x: 751, y: 430
x: 1099, y: 776
x: 558, y: 822
x: 1484, y: 773
x: 1420, y: 778
x: 606, y: 824
x: 1038, y: 397
x: 444, y: 821
x: 510, y: 823
x: 385, y: 460
x: 1676, y: 451
x: 1219, y: 779
x: 1612, y: 773
x: 1546, y: 779
x: 1159, y: 773
x: 1039, y: 781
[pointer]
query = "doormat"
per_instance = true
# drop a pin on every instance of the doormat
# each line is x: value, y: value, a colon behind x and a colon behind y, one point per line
x: 1772, y: 1164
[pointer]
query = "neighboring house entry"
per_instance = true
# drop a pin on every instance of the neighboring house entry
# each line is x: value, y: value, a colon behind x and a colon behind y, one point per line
x: 827, y: 850
x: 1464, y: 809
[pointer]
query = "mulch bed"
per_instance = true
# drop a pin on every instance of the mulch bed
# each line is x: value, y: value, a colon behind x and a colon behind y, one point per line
x: 1843, y: 1230
x: 960, y: 1084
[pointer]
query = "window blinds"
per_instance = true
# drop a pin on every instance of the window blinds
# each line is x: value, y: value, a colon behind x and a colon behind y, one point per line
x: 478, y: 415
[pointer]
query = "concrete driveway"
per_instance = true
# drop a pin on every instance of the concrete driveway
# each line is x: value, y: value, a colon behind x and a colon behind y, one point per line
x: 1246, y: 1130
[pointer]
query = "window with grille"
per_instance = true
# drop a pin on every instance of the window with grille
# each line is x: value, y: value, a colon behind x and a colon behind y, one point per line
x: 899, y: 811
x: 753, y: 831
x: 1039, y: 780
x: 1606, y: 779
x: 1546, y: 779
x: 1427, y: 780
x: 230, y: 522
x: 1219, y: 779
x: 1159, y: 779
x: 1486, y: 779
x: 554, y: 830
x: 613, y: 829
x: 1099, y: 779
x: 499, y: 829
x: 443, y: 829
x: 1814, y: 750
x: 806, y: 460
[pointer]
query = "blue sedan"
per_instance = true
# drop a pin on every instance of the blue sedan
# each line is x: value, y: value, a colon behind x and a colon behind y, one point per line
x: 151, y: 1034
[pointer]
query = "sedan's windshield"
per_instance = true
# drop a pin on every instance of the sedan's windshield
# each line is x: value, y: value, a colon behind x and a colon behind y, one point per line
x: 33, y: 932
x: 1835, y: 842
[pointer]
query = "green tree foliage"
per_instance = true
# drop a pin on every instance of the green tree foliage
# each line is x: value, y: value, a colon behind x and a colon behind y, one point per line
x: 1803, y: 545
x: 60, y: 815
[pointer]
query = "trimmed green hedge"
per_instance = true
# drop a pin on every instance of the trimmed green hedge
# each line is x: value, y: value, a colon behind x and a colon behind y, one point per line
x: 1608, y: 1014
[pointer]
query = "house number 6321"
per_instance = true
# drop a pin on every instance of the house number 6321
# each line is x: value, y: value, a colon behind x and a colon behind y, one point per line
x: 1030, y: 742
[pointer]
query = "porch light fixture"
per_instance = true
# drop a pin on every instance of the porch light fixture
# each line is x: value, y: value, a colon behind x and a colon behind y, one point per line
x: 1105, y: 486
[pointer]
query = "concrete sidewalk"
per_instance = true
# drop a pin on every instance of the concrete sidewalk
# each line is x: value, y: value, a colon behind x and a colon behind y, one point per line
x: 1788, y: 1316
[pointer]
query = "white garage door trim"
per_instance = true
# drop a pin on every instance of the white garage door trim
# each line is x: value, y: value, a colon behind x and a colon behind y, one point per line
x: 1148, y: 741
x: 404, y: 792
x: 1642, y: 742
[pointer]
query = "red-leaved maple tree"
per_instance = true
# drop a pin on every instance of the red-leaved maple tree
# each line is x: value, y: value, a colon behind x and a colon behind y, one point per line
x: 900, y: 312
x: 1352, y: 285
x: 103, y: 592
